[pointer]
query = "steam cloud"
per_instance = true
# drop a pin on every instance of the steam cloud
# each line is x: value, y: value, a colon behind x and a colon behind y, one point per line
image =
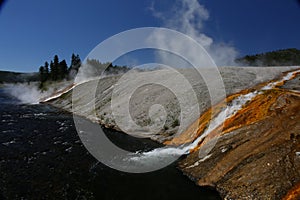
x: 85, y: 73
x: 27, y: 93
x: 188, y: 17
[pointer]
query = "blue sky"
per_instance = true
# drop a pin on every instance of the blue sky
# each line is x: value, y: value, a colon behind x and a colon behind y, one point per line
x: 33, y: 31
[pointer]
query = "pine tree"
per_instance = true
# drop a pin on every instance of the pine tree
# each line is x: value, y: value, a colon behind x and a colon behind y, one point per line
x: 75, y: 65
x: 42, y: 75
x: 55, y: 71
x: 62, y: 70
x: 46, y: 66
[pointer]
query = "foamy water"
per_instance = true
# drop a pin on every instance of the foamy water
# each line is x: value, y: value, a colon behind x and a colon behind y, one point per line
x: 287, y: 77
x: 226, y: 113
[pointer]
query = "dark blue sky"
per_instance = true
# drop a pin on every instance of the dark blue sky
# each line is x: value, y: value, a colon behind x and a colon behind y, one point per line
x: 33, y: 31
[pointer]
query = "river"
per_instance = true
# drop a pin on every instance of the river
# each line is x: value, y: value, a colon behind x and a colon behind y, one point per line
x: 42, y: 157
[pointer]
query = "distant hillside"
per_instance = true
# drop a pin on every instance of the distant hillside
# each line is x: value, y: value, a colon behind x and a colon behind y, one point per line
x: 285, y: 57
x: 17, y: 77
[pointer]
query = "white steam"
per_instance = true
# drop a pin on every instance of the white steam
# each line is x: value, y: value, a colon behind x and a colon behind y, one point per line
x: 86, y: 73
x: 26, y: 93
x: 188, y: 17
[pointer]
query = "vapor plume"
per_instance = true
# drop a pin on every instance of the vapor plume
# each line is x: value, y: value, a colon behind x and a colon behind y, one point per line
x: 189, y: 17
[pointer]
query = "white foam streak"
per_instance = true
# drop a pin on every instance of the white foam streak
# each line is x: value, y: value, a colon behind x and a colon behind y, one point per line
x: 58, y: 94
x: 287, y: 77
x: 231, y: 109
x: 228, y: 112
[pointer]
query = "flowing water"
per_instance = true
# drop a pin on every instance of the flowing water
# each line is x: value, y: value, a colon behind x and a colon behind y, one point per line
x: 163, y: 153
x: 42, y: 157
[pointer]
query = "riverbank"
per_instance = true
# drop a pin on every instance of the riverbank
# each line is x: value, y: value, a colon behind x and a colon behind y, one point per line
x: 42, y: 157
x: 244, y: 153
x: 255, y: 154
x: 235, y: 79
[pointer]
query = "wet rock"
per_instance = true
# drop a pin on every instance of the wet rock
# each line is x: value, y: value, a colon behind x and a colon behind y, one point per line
x: 258, y: 160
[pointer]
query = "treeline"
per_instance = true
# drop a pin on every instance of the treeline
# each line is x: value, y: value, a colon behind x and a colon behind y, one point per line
x: 106, y: 68
x: 17, y: 77
x: 59, y: 70
x: 284, y: 57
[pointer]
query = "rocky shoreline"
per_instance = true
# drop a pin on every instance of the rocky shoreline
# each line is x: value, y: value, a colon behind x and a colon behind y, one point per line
x: 258, y: 160
x: 257, y: 156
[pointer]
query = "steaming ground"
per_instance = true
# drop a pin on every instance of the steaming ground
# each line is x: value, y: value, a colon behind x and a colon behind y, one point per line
x: 29, y: 93
x: 141, y: 109
x: 24, y: 93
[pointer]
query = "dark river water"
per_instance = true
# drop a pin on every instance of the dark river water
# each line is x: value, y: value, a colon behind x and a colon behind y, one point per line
x: 42, y: 157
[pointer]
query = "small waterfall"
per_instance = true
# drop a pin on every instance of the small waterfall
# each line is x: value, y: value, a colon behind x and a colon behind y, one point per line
x: 58, y: 93
x: 287, y: 77
x: 230, y: 110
